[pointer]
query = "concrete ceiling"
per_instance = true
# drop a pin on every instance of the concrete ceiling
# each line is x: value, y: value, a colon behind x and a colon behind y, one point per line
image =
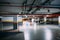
x: 30, y: 6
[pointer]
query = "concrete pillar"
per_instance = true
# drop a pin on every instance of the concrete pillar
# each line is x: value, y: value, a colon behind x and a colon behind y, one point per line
x: 59, y: 20
x: 15, y: 22
x: 45, y: 20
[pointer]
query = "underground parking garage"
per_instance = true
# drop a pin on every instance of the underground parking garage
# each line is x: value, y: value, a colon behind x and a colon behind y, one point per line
x: 29, y: 19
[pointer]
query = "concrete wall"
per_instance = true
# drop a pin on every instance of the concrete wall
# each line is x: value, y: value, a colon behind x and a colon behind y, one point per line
x: 7, y: 19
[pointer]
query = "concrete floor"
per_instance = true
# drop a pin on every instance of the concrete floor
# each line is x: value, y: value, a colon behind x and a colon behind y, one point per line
x: 42, y: 32
x: 34, y: 32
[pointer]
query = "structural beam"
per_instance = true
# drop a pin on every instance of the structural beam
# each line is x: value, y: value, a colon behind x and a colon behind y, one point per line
x: 59, y: 21
x: 45, y: 19
x: 15, y: 22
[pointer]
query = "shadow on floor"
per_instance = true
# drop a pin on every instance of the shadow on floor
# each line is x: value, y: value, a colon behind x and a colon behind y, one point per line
x: 6, y: 34
x: 11, y: 35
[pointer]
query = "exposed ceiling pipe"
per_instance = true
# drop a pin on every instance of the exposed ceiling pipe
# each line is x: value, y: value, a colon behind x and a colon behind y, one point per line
x: 24, y: 4
x: 33, y: 8
x: 31, y: 5
x: 42, y: 4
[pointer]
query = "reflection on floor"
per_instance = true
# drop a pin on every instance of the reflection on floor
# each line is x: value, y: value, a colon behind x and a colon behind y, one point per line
x: 34, y: 32
x: 41, y: 32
